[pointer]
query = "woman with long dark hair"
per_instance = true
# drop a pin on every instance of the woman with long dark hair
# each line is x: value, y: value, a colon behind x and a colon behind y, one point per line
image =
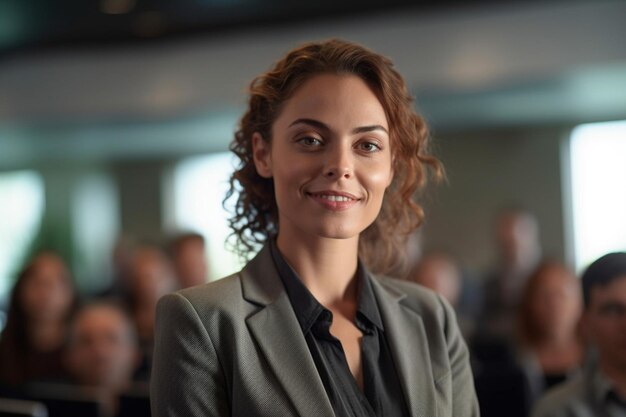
x: 41, y: 303
x: 550, y: 348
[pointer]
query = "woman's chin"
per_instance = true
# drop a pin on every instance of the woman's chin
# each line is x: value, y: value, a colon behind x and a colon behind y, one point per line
x: 339, y: 232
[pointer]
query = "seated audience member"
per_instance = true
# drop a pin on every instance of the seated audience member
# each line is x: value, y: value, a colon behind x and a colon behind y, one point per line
x: 189, y: 259
x: 549, y: 346
x: 600, y: 389
x: 102, y: 353
x: 120, y: 262
x: 41, y: 304
x: 150, y: 277
x: 519, y: 253
x: 411, y: 253
x: 439, y: 272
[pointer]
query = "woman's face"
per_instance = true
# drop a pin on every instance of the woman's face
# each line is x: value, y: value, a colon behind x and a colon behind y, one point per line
x: 556, y: 305
x: 329, y: 158
x: 47, y: 293
x: 150, y: 276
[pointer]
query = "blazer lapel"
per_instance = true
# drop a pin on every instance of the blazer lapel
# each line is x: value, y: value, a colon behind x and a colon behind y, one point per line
x: 409, y: 347
x: 279, y: 335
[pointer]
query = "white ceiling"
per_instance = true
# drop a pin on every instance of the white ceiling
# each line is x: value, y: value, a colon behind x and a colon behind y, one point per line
x: 533, y: 63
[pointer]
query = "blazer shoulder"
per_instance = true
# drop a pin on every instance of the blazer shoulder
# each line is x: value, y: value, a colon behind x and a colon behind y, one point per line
x: 416, y: 297
x: 224, y: 294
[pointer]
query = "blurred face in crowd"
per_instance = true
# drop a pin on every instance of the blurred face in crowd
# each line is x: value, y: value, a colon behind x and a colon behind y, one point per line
x: 329, y: 158
x: 47, y: 292
x: 190, y: 263
x: 439, y: 273
x: 604, y: 322
x: 102, y: 349
x: 517, y: 235
x: 555, y: 302
x: 151, y: 275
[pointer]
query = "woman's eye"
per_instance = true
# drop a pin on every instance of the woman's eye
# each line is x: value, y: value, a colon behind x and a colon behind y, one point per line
x: 369, y: 146
x: 310, y: 141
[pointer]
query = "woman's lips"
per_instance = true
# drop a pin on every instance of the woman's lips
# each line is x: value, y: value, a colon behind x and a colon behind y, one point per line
x: 333, y: 200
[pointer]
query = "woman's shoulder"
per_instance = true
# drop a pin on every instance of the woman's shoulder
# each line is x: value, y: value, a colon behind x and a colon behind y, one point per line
x: 416, y: 297
x: 220, y: 295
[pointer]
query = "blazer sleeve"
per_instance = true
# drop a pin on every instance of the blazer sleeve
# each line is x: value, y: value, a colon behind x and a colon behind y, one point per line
x: 187, y: 377
x: 464, y: 401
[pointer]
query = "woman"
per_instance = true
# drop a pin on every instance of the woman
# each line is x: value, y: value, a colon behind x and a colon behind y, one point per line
x: 550, y: 347
x: 331, y: 155
x: 150, y: 277
x: 42, y: 301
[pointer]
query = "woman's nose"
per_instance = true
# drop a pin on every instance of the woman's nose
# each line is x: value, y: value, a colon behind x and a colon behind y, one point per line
x: 339, y: 164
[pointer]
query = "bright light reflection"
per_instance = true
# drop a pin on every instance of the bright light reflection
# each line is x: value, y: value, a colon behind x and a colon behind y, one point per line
x: 200, y: 185
x: 598, y: 190
x: 21, y: 210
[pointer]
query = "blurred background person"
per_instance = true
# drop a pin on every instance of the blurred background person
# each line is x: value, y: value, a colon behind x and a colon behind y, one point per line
x: 544, y: 350
x: 188, y: 254
x: 600, y: 389
x: 121, y: 257
x: 412, y: 253
x: 441, y: 272
x: 42, y: 301
x: 550, y: 348
x: 102, y: 353
x: 519, y: 252
x: 150, y: 277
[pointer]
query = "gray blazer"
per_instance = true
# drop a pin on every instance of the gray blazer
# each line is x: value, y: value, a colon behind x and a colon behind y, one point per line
x: 234, y: 348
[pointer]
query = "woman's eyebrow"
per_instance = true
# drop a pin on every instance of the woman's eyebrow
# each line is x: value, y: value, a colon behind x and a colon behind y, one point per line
x: 323, y: 126
x: 311, y: 122
x: 365, y: 129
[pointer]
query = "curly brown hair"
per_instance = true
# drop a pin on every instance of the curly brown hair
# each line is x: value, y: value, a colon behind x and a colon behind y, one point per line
x: 255, y: 218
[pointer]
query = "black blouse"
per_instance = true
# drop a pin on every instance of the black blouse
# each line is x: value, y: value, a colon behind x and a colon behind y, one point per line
x: 382, y: 393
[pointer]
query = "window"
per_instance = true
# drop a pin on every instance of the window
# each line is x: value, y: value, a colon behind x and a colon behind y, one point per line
x: 598, y: 175
x: 95, y: 227
x: 199, y: 185
x: 21, y: 211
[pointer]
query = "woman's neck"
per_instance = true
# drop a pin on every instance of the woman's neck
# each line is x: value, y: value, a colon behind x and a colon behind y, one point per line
x: 559, y: 355
x: 107, y: 396
x: 327, y: 267
x: 46, y: 336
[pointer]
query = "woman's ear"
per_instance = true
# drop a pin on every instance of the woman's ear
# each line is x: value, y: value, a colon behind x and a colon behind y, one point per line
x: 262, y: 155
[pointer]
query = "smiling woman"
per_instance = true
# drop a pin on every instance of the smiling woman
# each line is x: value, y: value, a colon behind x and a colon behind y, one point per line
x: 408, y: 138
x: 331, y: 155
x: 331, y: 168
